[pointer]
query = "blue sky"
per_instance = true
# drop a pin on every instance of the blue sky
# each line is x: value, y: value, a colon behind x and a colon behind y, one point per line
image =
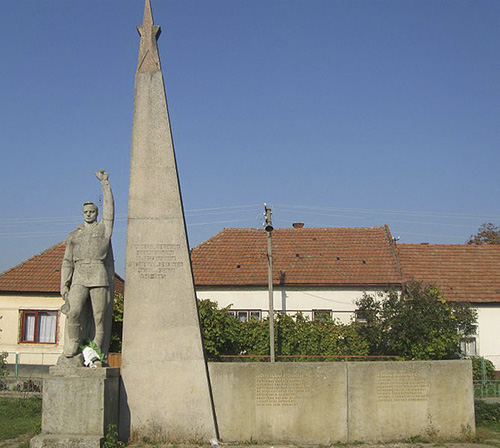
x: 336, y: 113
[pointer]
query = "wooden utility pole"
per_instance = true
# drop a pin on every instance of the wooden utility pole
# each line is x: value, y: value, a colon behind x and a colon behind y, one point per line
x: 269, y: 230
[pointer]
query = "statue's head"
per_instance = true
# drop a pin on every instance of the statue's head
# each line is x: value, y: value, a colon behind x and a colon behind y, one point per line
x: 90, y: 212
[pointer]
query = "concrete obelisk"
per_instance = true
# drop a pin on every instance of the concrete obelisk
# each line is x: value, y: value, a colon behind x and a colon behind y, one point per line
x: 165, y: 387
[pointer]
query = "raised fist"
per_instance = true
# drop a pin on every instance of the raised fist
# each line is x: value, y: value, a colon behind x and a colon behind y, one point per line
x: 101, y: 175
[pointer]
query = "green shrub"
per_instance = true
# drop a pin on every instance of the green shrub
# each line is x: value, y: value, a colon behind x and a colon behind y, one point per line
x: 223, y: 334
x: 478, y: 362
x: 486, y: 411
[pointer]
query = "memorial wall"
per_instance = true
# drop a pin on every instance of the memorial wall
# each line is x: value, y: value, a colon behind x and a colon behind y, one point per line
x: 324, y: 402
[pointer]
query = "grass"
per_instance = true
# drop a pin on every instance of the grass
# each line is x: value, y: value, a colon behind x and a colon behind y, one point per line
x: 19, y: 416
x: 488, y: 433
x: 20, y: 419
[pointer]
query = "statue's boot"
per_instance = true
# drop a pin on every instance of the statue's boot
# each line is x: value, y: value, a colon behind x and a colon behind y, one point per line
x: 72, y: 341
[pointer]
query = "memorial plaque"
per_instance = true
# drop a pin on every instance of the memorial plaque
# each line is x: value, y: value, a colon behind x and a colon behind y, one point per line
x: 281, y: 390
x: 395, y: 386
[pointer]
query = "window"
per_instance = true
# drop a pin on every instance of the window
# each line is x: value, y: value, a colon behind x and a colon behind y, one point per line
x: 468, y: 346
x: 322, y: 315
x: 255, y: 315
x: 244, y: 315
x: 361, y: 316
x: 39, y: 327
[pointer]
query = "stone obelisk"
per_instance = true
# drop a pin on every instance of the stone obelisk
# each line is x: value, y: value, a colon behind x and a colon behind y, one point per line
x: 165, y: 387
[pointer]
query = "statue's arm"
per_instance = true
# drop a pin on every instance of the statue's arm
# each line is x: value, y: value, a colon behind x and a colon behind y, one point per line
x: 108, y: 205
x: 67, y: 268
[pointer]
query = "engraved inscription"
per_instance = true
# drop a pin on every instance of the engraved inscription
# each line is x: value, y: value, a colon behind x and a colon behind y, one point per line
x: 153, y: 261
x: 280, y: 390
x: 402, y: 387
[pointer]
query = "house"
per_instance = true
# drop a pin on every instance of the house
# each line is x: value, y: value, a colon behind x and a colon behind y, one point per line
x: 463, y: 273
x: 32, y: 324
x: 316, y: 271
x: 320, y: 271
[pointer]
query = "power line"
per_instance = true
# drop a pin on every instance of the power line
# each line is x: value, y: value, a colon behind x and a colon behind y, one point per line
x: 392, y: 220
x: 396, y: 212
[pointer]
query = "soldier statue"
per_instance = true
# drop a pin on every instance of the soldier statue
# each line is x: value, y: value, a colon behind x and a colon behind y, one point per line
x: 87, y: 276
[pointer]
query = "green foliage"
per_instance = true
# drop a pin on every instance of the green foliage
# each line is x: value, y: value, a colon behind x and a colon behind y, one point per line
x: 486, y: 411
x: 220, y: 330
x: 488, y: 233
x: 19, y: 416
x: 3, y: 362
x: 111, y: 439
x: 417, y: 324
x: 478, y: 363
x: 115, y: 345
x: 225, y: 335
x: 94, y: 346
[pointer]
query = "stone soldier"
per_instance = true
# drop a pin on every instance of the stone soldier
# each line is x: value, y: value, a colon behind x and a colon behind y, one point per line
x: 87, y: 273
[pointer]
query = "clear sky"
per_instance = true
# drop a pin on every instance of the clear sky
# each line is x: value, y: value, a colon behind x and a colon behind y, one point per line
x: 335, y: 112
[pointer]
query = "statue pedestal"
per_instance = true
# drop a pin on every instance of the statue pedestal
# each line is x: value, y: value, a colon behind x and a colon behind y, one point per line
x: 79, y: 405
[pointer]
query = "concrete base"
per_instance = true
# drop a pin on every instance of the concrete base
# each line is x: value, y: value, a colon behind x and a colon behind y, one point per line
x: 79, y: 405
x: 65, y: 441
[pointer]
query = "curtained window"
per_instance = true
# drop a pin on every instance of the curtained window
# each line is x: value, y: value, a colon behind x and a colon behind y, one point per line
x: 39, y: 327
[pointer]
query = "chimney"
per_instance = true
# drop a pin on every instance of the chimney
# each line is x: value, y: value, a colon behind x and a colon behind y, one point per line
x: 298, y: 225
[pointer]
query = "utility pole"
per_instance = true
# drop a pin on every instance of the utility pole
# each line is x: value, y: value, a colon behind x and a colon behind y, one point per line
x: 269, y: 229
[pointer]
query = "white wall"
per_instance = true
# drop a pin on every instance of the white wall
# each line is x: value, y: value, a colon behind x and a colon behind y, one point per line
x: 290, y: 299
x: 489, y: 331
x: 10, y: 324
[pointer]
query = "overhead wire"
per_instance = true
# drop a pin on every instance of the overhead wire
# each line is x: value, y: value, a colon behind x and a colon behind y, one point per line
x: 399, y: 212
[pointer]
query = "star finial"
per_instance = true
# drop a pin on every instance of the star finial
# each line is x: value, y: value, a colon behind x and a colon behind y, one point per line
x: 149, y: 60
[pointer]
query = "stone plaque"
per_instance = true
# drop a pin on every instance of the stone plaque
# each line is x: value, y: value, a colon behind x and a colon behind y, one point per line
x: 402, y: 386
x: 281, y: 390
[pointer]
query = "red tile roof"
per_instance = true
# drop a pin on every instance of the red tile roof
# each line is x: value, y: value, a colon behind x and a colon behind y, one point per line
x: 311, y: 257
x: 40, y: 274
x: 464, y: 273
x: 307, y: 256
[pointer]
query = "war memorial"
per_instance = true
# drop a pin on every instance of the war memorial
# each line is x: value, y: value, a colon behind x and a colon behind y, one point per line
x: 166, y: 388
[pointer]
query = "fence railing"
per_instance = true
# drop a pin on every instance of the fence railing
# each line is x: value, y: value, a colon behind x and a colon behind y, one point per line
x: 488, y: 388
x: 310, y: 358
x: 14, y: 386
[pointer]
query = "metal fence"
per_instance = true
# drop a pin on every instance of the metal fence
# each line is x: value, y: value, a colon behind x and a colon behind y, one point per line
x: 15, y: 386
x: 301, y: 358
x: 30, y: 364
x: 488, y: 388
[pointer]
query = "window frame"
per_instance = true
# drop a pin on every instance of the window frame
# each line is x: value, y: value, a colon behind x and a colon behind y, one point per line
x: 251, y: 314
x: 320, y: 315
x: 36, y: 312
x: 466, y: 343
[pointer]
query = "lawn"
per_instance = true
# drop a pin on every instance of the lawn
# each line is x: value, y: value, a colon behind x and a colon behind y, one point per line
x: 19, y: 416
x: 20, y: 419
x: 488, y: 433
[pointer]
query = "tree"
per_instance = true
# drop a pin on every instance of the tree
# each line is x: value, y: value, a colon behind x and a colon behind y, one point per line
x: 416, y: 324
x: 488, y: 233
x: 115, y: 345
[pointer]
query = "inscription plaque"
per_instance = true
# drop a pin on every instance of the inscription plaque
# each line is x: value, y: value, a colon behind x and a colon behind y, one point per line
x: 153, y: 261
x: 393, y: 387
x: 280, y: 390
